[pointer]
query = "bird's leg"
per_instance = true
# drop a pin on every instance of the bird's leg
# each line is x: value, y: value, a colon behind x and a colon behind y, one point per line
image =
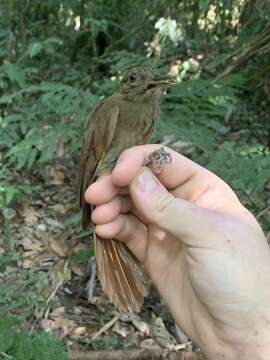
x: 157, y: 160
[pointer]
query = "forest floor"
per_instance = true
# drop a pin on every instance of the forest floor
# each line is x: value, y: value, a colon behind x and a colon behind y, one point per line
x: 45, y: 282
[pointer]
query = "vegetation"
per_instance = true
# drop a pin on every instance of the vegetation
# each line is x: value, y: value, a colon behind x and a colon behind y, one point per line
x: 58, y: 58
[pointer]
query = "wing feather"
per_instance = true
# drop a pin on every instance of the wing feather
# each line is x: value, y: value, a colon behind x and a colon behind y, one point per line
x: 121, y: 276
x: 99, y: 133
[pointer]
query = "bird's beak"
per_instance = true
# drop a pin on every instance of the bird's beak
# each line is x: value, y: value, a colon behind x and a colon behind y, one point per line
x: 161, y: 80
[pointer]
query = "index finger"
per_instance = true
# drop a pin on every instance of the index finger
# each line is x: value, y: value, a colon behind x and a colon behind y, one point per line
x: 175, y: 174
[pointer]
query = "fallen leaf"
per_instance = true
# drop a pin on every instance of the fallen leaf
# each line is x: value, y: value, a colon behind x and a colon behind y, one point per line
x: 58, y: 312
x: 57, y: 176
x: 42, y: 227
x: 161, y: 334
x: 59, y: 247
x: 92, y: 328
x: 26, y: 243
x: 60, y: 209
x: 29, y: 214
x: 78, y: 269
x: 54, y: 223
x: 80, y: 247
x: 79, y: 331
x: 150, y: 344
x: 65, y: 326
x: 60, y: 322
x: 139, y: 324
x: 47, y: 325
x: 45, y: 261
x: 120, y: 330
x: 32, y: 259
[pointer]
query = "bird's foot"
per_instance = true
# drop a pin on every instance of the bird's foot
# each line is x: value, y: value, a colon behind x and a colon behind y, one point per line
x: 157, y: 160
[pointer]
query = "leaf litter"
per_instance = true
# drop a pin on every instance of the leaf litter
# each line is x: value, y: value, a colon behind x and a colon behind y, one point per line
x: 45, y: 247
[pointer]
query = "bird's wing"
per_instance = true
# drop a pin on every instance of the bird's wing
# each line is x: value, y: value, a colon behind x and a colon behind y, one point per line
x: 98, y: 137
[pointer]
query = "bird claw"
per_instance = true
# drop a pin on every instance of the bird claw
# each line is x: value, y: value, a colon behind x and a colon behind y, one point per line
x: 157, y: 160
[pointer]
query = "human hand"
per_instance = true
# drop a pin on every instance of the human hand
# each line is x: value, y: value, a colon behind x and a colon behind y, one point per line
x: 203, y: 250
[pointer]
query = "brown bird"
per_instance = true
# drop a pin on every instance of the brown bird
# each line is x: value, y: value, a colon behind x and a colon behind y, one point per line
x: 125, y: 119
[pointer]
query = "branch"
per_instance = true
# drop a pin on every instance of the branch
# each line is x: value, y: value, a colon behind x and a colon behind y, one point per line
x: 257, y: 45
x: 137, y: 354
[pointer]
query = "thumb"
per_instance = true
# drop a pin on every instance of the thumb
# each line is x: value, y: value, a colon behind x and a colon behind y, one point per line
x: 178, y: 217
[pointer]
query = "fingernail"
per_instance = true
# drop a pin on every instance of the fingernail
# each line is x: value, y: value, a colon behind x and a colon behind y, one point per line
x: 146, y: 181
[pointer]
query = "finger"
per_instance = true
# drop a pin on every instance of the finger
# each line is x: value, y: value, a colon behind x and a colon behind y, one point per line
x: 107, y: 212
x: 101, y: 191
x: 205, y: 191
x: 179, y: 171
x: 129, y: 229
x: 190, y: 180
x: 123, y: 190
x: 201, y: 186
x: 187, y: 222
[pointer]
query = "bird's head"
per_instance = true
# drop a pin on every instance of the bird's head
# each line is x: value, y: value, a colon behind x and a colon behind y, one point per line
x: 141, y: 82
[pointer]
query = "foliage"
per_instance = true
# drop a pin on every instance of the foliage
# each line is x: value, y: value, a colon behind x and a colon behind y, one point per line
x: 65, y: 108
x: 195, y: 108
x: 26, y: 291
x: 15, y: 343
x: 9, y: 192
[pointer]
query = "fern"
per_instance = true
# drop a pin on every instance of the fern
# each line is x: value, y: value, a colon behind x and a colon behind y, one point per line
x: 194, y: 111
x: 245, y: 169
x: 57, y: 113
x: 201, y: 99
x: 17, y: 344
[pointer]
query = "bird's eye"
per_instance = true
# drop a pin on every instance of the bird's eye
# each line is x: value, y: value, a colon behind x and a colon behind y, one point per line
x: 132, y: 78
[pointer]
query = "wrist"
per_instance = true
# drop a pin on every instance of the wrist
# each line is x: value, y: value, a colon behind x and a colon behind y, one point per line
x: 253, y: 351
x: 258, y: 350
x: 249, y: 345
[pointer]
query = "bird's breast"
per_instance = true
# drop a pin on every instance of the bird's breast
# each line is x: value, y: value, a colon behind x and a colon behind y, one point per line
x: 136, y: 123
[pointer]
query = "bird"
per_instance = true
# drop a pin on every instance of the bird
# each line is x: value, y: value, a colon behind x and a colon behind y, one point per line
x: 120, y: 121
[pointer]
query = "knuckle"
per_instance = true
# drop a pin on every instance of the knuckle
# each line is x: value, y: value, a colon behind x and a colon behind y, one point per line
x: 124, y: 228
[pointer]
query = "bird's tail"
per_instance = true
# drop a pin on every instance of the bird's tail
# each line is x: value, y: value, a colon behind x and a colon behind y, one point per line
x: 121, y: 276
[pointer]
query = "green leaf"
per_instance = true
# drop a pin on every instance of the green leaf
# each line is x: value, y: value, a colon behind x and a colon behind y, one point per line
x: 6, y: 337
x: 53, y: 40
x: 48, y: 347
x: 9, y: 213
x: 24, y: 127
x: 34, y: 49
x: 11, y: 193
x: 21, y: 346
x: 203, y: 4
x: 32, y: 157
x: 83, y: 256
x: 15, y: 74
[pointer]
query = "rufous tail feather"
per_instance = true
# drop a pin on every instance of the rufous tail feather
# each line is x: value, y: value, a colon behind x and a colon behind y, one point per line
x: 120, y: 274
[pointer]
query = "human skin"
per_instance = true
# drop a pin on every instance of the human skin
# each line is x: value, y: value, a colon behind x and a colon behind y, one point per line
x: 204, y: 251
